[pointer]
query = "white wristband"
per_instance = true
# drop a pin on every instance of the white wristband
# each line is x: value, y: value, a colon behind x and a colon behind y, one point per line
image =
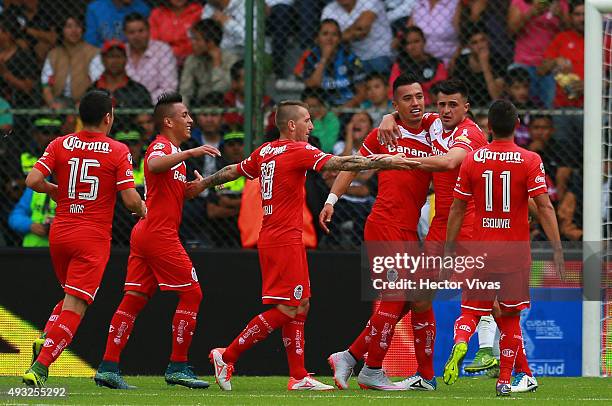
x: 331, y: 199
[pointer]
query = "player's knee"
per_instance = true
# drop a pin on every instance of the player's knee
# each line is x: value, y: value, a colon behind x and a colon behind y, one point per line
x: 75, y: 304
x: 192, y: 296
x: 304, y: 306
x: 290, y: 311
x: 138, y: 294
x: 420, y: 306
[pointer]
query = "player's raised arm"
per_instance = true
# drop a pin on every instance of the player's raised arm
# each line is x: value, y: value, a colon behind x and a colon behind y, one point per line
x: 133, y: 202
x: 360, y: 163
x: 441, y: 163
x: 388, y: 130
x: 160, y: 164
x: 36, y: 181
x: 548, y: 221
x: 220, y: 177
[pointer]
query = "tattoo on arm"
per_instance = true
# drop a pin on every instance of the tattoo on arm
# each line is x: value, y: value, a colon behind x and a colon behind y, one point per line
x: 356, y: 163
x: 222, y: 176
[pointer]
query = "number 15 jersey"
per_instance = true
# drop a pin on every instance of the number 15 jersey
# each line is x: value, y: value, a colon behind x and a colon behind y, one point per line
x: 90, y: 168
x: 281, y: 168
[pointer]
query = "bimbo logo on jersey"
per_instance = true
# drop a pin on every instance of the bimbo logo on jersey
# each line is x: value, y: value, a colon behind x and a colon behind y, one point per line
x: 71, y: 143
x: 272, y: 150
x: 482, y: 155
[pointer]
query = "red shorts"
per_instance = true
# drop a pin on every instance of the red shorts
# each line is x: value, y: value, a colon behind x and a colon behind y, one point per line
x: 79, y: 265
x: 374, y: 231
x: 513, y: 295
x: 284, y: 275
x: 162, y: 263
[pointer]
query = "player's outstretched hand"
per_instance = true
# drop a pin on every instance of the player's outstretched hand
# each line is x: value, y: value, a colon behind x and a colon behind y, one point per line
x: 559, y: 263
x: 204, y: 150
x: 388, y: 130
x: 325, y: 217
x: 378, y: 157
x: 195, y: 187
x: 401, y: 162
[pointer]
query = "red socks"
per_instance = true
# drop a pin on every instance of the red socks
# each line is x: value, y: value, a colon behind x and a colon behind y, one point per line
x: 510, y: 343
x: 184, y: 323
x: 424, y: 330
x: 465, y: 326
x: 382, y: 326
x: 59, y: 337
x: 54, y: 315
x: 520, y: 363
x: 121, y: 325
x: 257, y: 330
x: 293, y: 339
x: 361, y: 343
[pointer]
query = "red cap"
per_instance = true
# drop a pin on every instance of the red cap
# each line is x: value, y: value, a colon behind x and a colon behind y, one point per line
x: 110, y: 44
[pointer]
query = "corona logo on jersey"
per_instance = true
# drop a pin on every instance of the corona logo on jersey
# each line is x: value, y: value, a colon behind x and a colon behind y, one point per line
x: 71, y: 143
x: 484, y: 154
x: 272, y: 150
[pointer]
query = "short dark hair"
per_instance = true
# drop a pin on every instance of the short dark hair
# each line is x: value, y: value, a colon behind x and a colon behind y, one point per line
x: 209, y: 29
x: 377, y: 76
x: 575, y: 3
x: 502, y: 118
x: 406, y: 78
x: 315, y: 93
x: 517, y: 75
x: 546, y: 117
x: 163, y: 108
x: 452, y: 86
x: 329, y: 21
x: 470, y: 29
x: 286, y: 111
x: 415, y: 29
x: 211, y: 99
x: 236, y: 68
x: 94, y: 106
x: 130, y: 18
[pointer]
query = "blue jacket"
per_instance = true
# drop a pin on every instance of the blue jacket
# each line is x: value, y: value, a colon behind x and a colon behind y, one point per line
x: 20, y: 218
x: 104, y: 21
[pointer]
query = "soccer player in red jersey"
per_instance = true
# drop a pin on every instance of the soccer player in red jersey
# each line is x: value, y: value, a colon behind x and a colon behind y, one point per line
x: 90, y: 168
x: 394, y: 218
x: 157, y: 257
x: 499, y: 180
x: 453, y: 136
x: 281, y: 165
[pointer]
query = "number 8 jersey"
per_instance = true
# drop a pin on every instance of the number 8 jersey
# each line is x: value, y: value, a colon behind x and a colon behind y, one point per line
x: 281, y: 168
x: 89, y: 168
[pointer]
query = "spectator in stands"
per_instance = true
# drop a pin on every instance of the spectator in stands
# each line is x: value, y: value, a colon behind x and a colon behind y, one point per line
x: 150, y: 62
x: 231, y: 15
x: 517, y: 91
x: 413, y: 58
x: 326, y: 123
x: 493, y: 14
x: 132, y: 137
x: 6, y: 118
x: 358, y: 127
x: 482, y: 71
x: 125, y: 91
x: 564, y: 57
x: 146, y: 123
x: 377, y: 99
x: 280, y: 25
x: 534, y: 24
x: 482, y: 120
x: 332, y: 67
x: 37, y: 30
x: 18, y: 69
x: 44, y: 130
x: 170, y: 23
x: 209, y: 131
x: 234, y: 98
x: 398, y: 12
x: 208, y: 69
x: 439, y: 20
x: 365, y: 28
x: 223, y: 204
x: 71, y: 67
x: 104, y: 19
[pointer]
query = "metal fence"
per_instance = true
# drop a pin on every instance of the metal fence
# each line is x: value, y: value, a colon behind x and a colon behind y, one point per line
x: 339, y: 56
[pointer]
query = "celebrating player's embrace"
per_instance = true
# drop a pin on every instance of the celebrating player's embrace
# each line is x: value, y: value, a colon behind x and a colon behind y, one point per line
x: 478, y: 196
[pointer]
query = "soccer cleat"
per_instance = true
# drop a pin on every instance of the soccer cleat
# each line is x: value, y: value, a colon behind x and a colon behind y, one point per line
x: 493, y: 372
x: 453, y: 365
x: 223, y: 371
x: 37, y: 346
x: 36, y: 375
x: 483, y: 361
x: 112, y: 380
x: 179, y: 373
x: 342, y: 364
x: 307, y: 383
x: 417, y: 382
x: 503, y: 389
x: 523, y: 383
x: 375, y: 379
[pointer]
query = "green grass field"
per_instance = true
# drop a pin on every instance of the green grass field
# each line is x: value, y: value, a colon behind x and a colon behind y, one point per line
x: 272, y: 391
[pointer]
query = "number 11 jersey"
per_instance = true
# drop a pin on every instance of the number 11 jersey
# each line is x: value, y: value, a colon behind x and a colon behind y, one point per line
x: 281, y: 168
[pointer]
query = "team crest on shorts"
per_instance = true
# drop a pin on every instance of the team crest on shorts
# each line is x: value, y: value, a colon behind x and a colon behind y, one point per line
x: 297, y: 292
x: 194, y: 275
x: 392, y: 274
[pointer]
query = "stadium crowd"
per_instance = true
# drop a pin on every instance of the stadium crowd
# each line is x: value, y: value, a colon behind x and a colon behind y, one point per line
x: 341, y: 56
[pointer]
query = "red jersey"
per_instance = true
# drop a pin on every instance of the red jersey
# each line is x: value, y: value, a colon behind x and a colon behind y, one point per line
x: 468, y: 136
x: 401, y: 193
x: 500, y: 179
x: 568, y: 45
x: 281, y: 168
x: 164, y: 192
x: 90, y: 168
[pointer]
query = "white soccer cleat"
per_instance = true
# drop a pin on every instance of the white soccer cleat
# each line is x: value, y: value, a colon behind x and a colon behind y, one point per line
x: 307, y: 383
x: 342, y: 364
x: 523, y: 383
x: 417, y: 382
x: 375, y: 379
x: 223, y: 371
